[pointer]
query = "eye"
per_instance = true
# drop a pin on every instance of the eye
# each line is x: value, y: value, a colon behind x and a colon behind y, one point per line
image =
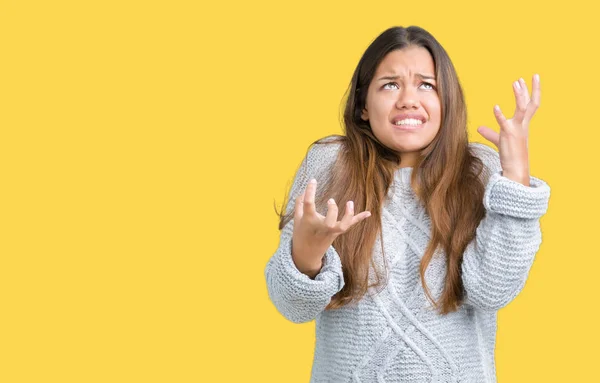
x: 431, y: 86
x: 428, y: 86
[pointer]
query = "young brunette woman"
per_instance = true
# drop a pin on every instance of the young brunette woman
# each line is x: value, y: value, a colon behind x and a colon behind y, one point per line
x: 401, y: 238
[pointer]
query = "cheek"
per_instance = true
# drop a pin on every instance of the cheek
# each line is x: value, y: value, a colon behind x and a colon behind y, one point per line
x: 382, y: 107
x: 434, y: 109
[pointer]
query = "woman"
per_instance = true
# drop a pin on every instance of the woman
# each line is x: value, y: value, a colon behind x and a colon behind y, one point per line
x: 408, y: 289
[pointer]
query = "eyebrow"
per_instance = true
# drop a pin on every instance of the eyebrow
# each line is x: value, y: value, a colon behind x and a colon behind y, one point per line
x: 423, y: 76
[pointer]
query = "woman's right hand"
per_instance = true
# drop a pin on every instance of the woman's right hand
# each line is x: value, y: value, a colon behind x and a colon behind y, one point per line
x: 314, y: 233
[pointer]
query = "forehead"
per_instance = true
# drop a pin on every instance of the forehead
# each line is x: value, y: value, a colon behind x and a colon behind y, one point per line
x: 407, y: 61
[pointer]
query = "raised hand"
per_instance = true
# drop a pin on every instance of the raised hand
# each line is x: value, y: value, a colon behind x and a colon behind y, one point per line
x: 314, y: 233
x: 512, y: 141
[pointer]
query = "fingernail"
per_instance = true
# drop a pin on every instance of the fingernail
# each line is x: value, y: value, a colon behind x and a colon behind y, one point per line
x: 497, y: 108
x: 537, y: 77
x: 313, y: 181
x: 351, y: 204
x: 368, y: 214
x: 330, y: 200
x: 517, y: 85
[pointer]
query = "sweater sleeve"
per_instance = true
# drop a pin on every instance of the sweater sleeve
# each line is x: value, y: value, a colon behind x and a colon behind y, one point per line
x: 295, y: 295
x: 497, y: 262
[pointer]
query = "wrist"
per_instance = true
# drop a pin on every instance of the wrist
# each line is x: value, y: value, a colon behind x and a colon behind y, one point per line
x: 521, y: 177
x: 307, y: 261
x: 309, y: 269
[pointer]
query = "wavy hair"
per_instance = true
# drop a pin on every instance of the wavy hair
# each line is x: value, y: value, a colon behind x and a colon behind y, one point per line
x: 445, y: 177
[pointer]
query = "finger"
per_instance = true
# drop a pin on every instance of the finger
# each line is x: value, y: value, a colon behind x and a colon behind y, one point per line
x: 525, y: 89
x: 359, y: 217
x: 500, y: 117
x: 534, y: 103
x: 520, y: 90
x: 347, y: 219
x: 298, y: 208
x: 489, y: 135
x: 309, y: 198
x: 332, y: 213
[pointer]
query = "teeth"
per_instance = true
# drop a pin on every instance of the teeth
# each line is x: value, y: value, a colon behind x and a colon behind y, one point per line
x: 409, y: 121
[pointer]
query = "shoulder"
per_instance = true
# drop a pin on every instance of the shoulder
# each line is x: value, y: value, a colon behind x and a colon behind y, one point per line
x: 489, y: 156
x: 480, y: 150
x: 329, y: 145
x: 323, y: 152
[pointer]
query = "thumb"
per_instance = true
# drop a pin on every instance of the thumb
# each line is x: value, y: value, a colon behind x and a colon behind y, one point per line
x: 489, y: 134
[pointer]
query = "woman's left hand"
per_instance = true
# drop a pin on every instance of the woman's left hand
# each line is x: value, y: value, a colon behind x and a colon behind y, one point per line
x: 512, y: 139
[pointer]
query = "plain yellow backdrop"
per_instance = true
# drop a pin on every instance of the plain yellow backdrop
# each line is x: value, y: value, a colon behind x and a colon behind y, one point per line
x: 144, y: 144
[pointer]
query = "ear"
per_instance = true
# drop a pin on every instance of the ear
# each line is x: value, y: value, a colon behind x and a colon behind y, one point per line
x: 365, y: 114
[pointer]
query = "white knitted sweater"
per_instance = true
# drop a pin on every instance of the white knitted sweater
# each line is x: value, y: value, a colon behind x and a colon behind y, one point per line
x: 395, y: 335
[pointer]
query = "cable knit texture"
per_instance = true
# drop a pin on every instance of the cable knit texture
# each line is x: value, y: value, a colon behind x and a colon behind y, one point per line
x: 395, y: 335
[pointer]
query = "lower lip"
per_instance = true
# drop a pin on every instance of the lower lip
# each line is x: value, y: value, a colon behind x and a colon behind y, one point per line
x: 408, y: 128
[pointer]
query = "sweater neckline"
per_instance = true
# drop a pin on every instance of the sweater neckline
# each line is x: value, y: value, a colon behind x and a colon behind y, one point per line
x: 404, y: 174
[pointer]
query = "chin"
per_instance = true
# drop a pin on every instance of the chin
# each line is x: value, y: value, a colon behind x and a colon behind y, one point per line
x: 408, y: 148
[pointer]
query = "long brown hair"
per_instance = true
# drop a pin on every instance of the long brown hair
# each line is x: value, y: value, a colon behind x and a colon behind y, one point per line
x: 445, y: 177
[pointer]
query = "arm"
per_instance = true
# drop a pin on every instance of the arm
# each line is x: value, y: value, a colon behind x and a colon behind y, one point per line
x: 295, y: 295
x: 497, y: 262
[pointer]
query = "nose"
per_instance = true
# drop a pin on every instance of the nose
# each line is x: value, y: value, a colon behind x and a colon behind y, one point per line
x: 407, y: 99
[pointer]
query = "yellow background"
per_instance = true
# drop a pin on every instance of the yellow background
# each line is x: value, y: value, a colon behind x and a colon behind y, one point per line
x: 144, y: 143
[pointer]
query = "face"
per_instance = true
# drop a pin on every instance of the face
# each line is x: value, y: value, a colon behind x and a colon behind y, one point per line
x: 403, y: 107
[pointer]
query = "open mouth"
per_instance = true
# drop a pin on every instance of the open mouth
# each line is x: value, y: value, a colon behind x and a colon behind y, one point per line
x: 408, y: 124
